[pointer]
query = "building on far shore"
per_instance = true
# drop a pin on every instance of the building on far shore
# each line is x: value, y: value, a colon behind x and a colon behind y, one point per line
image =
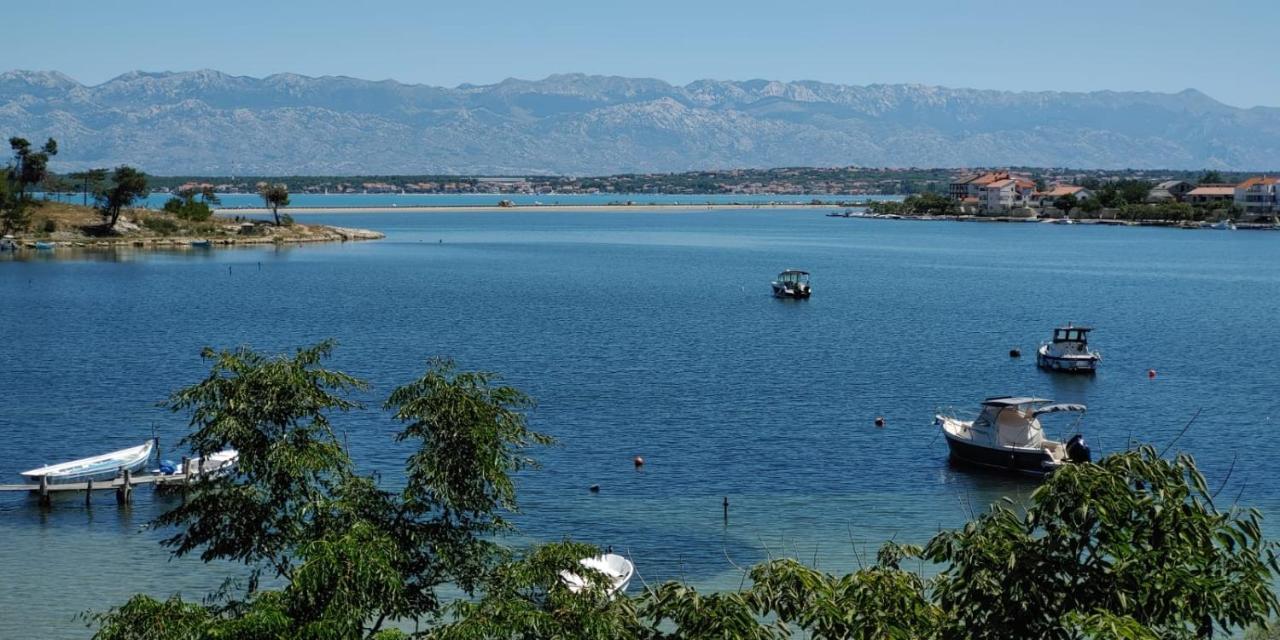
x: 1170, y: 191
x: 1259, y: 197
x: 1007, y: 194
x: 1046, y: 198
x: 1211, y: 193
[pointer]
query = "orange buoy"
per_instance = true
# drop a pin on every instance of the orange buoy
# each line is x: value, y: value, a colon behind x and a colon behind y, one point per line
x: 879, y: 421
x: 639, y: 462
x: 1151, y: 374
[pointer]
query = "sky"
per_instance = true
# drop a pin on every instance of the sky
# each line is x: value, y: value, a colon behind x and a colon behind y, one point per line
x: 1229, y: 49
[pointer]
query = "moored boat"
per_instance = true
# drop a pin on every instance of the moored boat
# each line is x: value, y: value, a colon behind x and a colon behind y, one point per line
x: 102, y: 467
x: 1224, y: 225
x: 792, y: 283
x: 1068, y: 351
x: 1007, y: 435
x: 201, y: 244
x: 214, y: 465
x: 617, y: 571
x: 44, y: 246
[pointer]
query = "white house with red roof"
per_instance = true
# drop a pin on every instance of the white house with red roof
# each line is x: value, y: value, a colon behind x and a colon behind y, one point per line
x: 1259, y: 196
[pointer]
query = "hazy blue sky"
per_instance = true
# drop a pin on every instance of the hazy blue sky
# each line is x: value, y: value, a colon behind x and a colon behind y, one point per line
x: 1230, y: 50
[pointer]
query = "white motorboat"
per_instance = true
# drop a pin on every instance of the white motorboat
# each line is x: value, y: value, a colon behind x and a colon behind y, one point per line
x: 1224, y: 225
x: 792, y: 283
x: 1068, y: 351
x: 103, y: 467
x: 212, y: 466
x: 1007, y: 435
x: 617, y: 571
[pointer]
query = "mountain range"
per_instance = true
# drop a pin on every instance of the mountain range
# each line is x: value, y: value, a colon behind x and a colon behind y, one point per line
x: 211, y: 123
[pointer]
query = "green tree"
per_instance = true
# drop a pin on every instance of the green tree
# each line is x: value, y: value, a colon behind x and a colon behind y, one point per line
x: 1065, y: 203
x: 350, y: 555
x: 1090, y: 206
x: 185, y: 206
x: 1134, y: 536
x: 274, y: 196
x: 1211, y: 177
x: 128, y: 185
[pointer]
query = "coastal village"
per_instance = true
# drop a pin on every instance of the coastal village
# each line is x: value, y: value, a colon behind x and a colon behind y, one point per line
x: 1255, y: 199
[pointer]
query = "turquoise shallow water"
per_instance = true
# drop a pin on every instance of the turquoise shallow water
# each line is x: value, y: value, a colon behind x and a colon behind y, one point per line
x: 653, y: 335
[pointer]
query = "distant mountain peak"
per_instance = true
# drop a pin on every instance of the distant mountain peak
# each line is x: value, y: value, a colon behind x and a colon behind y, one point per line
x: 206, y: 121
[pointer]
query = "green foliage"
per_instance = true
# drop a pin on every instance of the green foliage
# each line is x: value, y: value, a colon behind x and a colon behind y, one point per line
x: 930, y: 204
x: 1090, y: 206
x: 29, y: 167
x: 161, y: 225
x: 349, y: 554
x: 1133, y: 536
x: 49, y: 225
x: 274, y: 196
x: 1066, y: 203
x: 1160, y: 211
x: 186, y: 207
x: 128, y: 185
x: 1121, y: 192
x: 1211, y: 177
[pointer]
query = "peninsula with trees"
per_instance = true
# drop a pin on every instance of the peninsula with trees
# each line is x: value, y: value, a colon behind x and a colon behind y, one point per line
x: 116, y: 218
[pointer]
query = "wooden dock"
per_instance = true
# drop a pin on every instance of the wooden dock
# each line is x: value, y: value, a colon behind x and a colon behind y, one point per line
x: 123, y: 484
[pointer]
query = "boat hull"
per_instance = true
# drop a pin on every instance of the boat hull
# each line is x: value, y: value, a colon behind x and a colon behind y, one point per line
x: 106, y: 469
x: 784, y: 292
x: 1066, y: 364
x: 1029, y: 462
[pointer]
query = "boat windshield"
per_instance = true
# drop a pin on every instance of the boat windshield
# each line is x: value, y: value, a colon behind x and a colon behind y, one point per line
x: 1070, y: 334
x: 792, y: 277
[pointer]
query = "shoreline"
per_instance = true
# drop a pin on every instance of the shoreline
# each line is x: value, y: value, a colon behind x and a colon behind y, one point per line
x: 547, y: 208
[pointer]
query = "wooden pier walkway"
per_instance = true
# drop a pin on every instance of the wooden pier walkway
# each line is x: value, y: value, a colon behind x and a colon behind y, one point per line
x: 123, y: 484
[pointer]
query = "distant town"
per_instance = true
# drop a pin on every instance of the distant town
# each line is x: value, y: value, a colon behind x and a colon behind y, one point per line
x: 839, y: 181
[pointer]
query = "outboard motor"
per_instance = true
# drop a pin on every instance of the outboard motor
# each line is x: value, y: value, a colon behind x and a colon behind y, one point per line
x: 1077, y: 450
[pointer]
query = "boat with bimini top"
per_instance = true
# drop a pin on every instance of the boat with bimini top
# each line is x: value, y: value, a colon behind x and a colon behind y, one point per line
x: 1007, y: 435
x: 792, y: 283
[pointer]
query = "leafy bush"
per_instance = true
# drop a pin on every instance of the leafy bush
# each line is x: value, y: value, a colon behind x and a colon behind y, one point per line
x: 50, y: 225
x: 160, y: 225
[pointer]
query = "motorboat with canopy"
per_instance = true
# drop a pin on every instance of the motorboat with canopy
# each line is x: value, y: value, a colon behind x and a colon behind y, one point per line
x: 1007, y: 435
x: 1068, y: 351
x: 792, y: 283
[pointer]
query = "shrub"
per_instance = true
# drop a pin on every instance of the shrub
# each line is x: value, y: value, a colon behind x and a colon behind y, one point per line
x: 49, y: 225
x: 160, y: 225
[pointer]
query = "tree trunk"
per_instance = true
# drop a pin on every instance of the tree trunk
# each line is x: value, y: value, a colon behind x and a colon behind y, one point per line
x: 275, y: 211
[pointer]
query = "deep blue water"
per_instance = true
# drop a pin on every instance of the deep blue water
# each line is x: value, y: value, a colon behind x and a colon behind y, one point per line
x: 654, y: 335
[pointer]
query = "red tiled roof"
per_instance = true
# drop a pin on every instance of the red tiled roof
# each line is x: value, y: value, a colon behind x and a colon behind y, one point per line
x: 1257, y: 181
x: 1212, y: 191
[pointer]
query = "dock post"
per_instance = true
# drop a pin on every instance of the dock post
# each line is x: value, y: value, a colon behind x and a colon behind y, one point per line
x: 88, y: 492
x: 44, y: 490
x: 122, y: 492
x: 186, y: 471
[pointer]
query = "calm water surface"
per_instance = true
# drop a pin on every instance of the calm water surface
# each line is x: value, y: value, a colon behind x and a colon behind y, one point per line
x: 652, y: 335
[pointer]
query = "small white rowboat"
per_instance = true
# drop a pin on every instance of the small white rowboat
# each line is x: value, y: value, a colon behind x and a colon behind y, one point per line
x: 103, y: 467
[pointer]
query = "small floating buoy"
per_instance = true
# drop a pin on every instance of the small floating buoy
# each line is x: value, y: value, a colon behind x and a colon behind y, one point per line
x: 595, y: 488
x: 1015, y: 353
x: 639, y: 462
x: 1151, y: 374
x: 879, y: 421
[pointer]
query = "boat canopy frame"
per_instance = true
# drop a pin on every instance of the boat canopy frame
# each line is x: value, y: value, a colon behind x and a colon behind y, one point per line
x: 1071, y: 333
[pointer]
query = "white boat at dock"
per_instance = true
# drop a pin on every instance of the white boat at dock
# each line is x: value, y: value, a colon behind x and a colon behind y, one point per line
x: 1224, y: 225
x: 617, y: 571
x: 212, y: 466
x: 102, y: 467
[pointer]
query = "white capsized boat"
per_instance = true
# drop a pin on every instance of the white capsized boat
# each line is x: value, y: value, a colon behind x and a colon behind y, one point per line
x: 616, y: 569
x: 103, y: 467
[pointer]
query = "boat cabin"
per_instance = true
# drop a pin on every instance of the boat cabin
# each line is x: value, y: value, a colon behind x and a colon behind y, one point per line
x: 1015, y: 421
x: 1071, y: 334
x: 794, y: 276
